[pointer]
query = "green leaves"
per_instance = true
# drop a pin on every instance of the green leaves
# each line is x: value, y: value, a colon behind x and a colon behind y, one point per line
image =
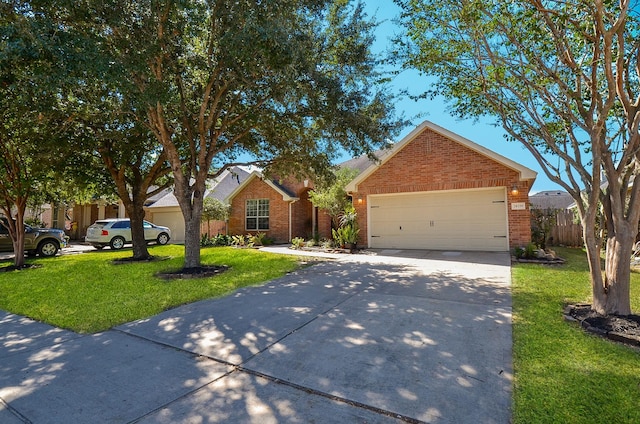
x: 560, y: 77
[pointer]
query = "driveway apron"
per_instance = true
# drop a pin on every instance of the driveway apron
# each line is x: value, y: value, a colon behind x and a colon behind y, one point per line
x: 391, y: 336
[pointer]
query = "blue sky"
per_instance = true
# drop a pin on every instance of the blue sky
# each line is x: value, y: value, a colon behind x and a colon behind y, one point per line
x: 482, y: 132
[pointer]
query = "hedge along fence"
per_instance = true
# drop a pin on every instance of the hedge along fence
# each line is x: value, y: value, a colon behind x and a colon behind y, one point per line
x: 555, y: 227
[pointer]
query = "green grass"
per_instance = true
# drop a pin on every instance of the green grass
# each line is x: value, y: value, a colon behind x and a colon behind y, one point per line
x: 562, y: 374
x: 87, y: 293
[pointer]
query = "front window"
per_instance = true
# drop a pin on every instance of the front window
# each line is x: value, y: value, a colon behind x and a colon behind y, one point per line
x: 257, y: 215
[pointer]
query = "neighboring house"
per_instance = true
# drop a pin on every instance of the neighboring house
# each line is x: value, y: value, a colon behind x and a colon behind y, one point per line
x: 281, y: 209
x: 437, y: 190
x: 276, y: 198
x: 83, y: 215
x: 165, y: 210
x: 551, y: 199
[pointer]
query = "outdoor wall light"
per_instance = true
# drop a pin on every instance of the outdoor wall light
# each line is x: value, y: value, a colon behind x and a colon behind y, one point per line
x: 514, y: 190
x: 360, y: 200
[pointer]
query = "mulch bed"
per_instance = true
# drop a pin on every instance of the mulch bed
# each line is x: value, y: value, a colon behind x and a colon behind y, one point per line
x: 620, y: 328
x: 19, y: 268
x: 131, y: 259
x: 554, y: 261
x: 202, y: 271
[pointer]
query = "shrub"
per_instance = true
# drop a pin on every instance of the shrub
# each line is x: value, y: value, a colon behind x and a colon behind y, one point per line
x: 218, y: 240
x: 205, y: 241
x: 528, y: 252
x: 326, y: 243
x: 238, y: 240
x: 337, y: 236
x: 297, y: 243
x: 259, y: 239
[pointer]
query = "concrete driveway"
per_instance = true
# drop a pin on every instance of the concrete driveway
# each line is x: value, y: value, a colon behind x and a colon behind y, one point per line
x: 390, y: 336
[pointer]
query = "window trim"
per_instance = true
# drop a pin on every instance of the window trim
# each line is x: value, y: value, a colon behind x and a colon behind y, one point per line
x: 257, y: 216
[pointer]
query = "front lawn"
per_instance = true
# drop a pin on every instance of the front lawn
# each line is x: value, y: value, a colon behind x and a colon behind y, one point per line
x: 87, y: 293
x: 562, y: 374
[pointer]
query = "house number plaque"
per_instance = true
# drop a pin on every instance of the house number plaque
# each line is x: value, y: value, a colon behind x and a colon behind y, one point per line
x: 518, y: 206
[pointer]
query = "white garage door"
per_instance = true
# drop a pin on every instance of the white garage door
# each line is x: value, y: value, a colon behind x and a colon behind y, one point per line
x: 452, y: 220
x: 174, y: 221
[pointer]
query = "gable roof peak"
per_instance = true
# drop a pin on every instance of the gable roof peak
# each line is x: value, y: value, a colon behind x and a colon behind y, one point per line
x: 525, y: 173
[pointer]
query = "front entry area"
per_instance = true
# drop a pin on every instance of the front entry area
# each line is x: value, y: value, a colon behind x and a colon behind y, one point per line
x: 449, y: 220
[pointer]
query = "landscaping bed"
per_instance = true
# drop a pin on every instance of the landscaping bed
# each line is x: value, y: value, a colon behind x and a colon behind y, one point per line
x: 620, y: 328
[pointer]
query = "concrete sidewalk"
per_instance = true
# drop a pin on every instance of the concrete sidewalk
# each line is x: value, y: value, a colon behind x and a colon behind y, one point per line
x: 379, y: 337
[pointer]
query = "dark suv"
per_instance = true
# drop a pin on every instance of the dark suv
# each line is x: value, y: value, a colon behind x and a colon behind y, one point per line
x: 43, y: 241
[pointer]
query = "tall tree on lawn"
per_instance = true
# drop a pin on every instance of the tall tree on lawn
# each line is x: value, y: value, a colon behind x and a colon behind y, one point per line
x: 563, y: 79
x: 35, y: 68
x: 286, y: 84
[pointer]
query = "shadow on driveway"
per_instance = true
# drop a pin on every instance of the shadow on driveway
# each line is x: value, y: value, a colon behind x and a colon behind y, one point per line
x: 341, y: 341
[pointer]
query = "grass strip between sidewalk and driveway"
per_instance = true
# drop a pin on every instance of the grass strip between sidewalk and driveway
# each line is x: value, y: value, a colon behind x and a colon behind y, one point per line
x: 88, y: 293
x: 563, y: 374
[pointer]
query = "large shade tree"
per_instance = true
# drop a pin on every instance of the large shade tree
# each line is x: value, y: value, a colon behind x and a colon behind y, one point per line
x: 35, y: 64
x: 107, y: 138
x: 285, y: 83
x: 562, y: 78
x: 137, y: 166
x: 111, y: 141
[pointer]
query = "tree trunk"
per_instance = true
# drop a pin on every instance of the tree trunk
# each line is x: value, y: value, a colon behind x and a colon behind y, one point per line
x: 190, y: 198
x: 613, y: 296
x: 16, y: 231
x: 18, y: 248
x: 192, y: 242
x: 140, y: 251
x: 610, y: 287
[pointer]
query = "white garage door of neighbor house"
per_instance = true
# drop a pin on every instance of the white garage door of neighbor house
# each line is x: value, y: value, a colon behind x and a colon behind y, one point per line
x: 174, y: 221
x: 452, y: 220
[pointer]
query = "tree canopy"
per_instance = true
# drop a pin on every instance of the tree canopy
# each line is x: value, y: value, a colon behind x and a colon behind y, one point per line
x: 331, y: 195
x: 287, y: 84
x: 36, y: 61
x: 562, y: 78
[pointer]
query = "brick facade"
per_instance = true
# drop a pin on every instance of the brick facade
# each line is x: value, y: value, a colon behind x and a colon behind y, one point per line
x: 278, y: 211
x: 433, y: 162
x: 282, y: 213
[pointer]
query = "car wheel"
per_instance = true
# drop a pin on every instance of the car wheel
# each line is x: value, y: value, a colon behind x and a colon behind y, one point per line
x: 163, y: 238
x: 48, y: 248
x: 117, y: 243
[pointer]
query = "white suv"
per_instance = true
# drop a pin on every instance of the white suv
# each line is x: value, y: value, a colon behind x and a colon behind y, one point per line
x: 117, y: 232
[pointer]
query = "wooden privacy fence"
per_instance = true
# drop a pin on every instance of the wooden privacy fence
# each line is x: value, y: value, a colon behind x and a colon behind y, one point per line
x: 565, y: 232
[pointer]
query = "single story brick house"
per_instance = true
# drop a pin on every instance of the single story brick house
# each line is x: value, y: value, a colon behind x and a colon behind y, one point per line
x: 432, y: 190
x: 437, y: 190
x: 279, y: 208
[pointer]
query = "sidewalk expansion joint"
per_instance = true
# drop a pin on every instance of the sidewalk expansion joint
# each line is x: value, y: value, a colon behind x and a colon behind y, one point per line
x: 15, y: 412
x: 329, y: 396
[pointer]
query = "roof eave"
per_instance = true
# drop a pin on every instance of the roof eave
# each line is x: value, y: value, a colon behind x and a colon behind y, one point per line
x: 255, y: 174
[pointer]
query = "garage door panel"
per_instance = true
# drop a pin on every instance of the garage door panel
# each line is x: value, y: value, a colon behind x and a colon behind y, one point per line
x: 465, y: 220
x: 174, y: 221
